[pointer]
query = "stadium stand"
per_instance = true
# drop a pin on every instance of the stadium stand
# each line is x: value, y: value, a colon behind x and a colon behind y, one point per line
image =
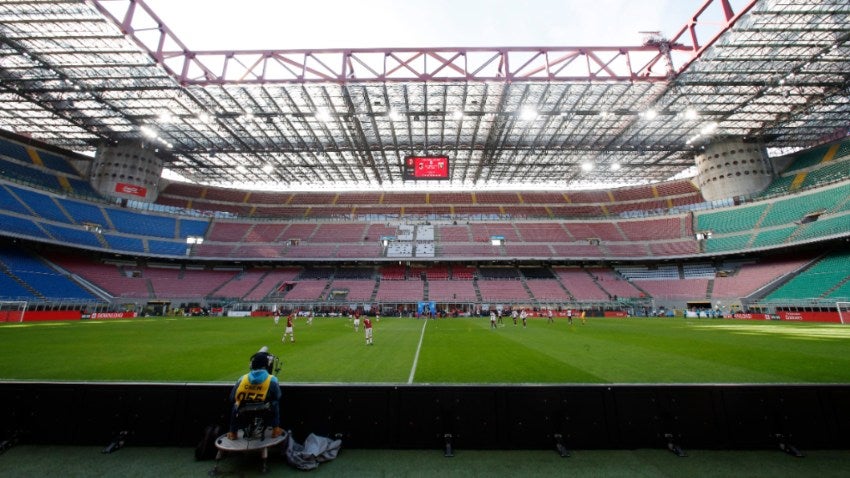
x: 580, y: 283
x: 354, y: 289
x: 229, y: 231
x: 307, y: 290
x: 613, y: 284
x: 736, y: 280
x: 818, y: 281
x: 451, y: 290
x: 547, y: 290
x: 503, y: 291
x: 685, y: 289
x: 272, y: 282
x: 400, y: 291
x: 27, y: 276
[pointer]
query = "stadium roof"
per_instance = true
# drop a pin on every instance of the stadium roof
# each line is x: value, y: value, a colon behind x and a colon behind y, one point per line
x: 78, y: 74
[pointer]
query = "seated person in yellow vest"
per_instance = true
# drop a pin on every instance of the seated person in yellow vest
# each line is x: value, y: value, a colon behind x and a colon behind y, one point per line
x: 258, y: 385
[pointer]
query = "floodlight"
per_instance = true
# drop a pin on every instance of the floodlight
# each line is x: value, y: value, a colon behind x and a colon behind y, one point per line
x: 528, y: 113
x: 148, y: 131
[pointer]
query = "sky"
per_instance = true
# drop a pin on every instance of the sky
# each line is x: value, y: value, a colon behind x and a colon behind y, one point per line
x: 336, y: 24
x: 205, y: 25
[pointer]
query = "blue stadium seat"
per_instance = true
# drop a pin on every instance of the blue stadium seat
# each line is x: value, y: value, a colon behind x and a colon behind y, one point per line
x: 73, y: 236
x: 84, y: 212
x: 57, y: 163
x: 124, y: 243
x: 142, y: 224
x: 169, y: 248
x: 42, y: 204
x: 10, y: 289
x: 11, y: 203
x: 21, y: 226
x: 193, y: 227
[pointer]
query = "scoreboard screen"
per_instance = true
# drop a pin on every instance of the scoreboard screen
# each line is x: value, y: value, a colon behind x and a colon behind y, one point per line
x: 426, y: 167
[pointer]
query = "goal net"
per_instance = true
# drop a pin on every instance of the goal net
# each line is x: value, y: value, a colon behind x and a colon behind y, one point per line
x: 12, y: 310
x: 843, y: 311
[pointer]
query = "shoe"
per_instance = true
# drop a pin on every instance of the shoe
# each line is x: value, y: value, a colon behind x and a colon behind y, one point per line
x: 276, y: 432
x: 232, y: 436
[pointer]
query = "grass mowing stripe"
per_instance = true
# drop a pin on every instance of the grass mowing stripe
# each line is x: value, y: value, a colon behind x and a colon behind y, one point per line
x: 416, y: 357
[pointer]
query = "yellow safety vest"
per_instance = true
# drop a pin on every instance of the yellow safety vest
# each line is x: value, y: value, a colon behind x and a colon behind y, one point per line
x: 252, y: 392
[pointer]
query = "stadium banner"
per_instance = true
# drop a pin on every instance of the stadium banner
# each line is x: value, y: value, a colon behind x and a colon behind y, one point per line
x: 38, y: 315
x: 426, y: 308
x: 112, y: 315
x: 615, y: 313
x: 741, y: 315
x: 810, y: 316
x: 131, y: 189
x: 238, y: 313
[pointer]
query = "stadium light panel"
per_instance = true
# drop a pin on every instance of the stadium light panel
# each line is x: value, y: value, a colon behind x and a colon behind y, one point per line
x: 528, y: 113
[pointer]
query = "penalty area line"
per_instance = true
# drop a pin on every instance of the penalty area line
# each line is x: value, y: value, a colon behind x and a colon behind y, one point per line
x: 416, y: 357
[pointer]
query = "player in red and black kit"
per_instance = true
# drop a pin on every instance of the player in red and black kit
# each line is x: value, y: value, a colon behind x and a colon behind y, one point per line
x: 367, y: 326
x: 289, y: 330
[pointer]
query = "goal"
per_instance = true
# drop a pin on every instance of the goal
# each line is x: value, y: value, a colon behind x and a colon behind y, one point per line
x: 12, y: 310
x: 843, y: 311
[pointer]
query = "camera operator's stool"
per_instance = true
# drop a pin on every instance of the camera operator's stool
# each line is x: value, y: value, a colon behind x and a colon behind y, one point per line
x: 252, y: 435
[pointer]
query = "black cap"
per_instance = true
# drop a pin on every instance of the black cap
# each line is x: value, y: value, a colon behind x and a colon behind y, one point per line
x: 260, y: 361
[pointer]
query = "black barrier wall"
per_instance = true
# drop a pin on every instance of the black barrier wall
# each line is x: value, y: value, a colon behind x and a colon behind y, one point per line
x: 421, y: 417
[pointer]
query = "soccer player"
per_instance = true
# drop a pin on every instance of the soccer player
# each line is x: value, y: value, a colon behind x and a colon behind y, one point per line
x: 524, y: 317
x: 289, y: 330
x: 310, y: 318
x: 276, y: 316
x: 583, y: 312
x: 551, y: 318
x: 570, y: 316
x: 500, y: 315
x: 357, y: 321
x: 367, y: 327
x: 492, y: 319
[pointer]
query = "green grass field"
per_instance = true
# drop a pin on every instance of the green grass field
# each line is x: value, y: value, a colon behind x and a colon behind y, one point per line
x: 452, y: 351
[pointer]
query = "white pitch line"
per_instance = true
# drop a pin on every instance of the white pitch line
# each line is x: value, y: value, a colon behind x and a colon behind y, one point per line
x: 416, y: 357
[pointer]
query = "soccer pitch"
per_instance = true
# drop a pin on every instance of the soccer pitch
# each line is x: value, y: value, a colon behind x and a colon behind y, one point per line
x: 444, y: 351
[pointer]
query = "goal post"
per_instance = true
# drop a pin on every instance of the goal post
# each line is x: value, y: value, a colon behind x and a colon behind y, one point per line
x: 12, y: 310
x: 843, y: 311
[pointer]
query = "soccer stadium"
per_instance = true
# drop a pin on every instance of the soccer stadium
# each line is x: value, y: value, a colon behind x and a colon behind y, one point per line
x: 561, y: 248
